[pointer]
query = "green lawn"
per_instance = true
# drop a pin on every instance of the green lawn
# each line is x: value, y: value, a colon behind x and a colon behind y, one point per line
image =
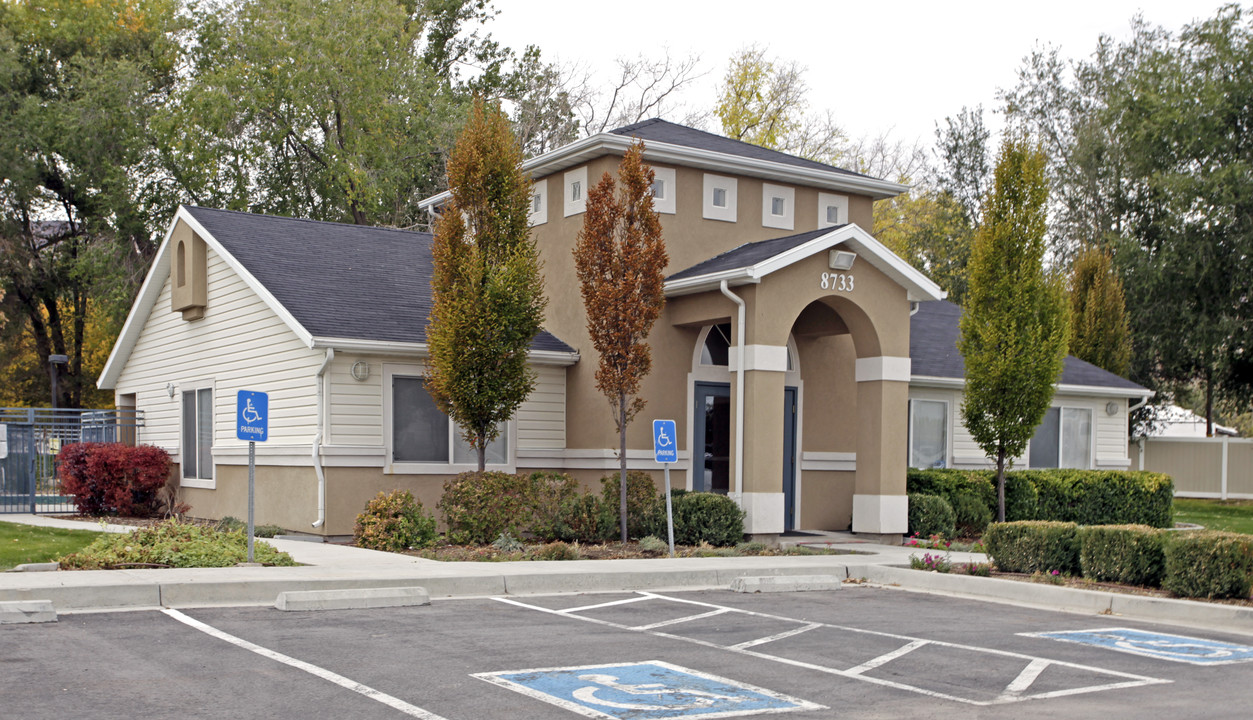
x: 29, y: 544
x: 1229, y: 515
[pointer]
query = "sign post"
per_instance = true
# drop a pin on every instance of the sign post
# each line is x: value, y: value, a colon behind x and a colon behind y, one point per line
x: 666, y: 451
x: 252, y: 423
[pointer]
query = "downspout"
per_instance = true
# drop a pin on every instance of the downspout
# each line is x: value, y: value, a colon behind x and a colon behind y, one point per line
x: 317, y: 439
x: 739, y: 392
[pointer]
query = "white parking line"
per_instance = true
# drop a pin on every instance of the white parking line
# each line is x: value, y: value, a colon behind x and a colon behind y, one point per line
x: 776, y: 636
x: 676, y: 621
x: 603, y: 605
x: 1014, y: 692
x: 887, y: 657
x: 340, y: 680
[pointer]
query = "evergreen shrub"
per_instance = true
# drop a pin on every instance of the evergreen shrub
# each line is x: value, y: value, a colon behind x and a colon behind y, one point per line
x: 394, y: 522
x: 1209, y: 564
x: 1129, y: 554
x: 478, y: 507
x: 930, y: 515
x: 1029, y: 546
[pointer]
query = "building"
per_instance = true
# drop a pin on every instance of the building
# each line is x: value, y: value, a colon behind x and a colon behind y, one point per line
x: 789, y: 351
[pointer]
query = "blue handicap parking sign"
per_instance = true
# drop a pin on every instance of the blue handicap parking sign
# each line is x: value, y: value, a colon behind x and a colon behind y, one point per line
x: 252, y: 416
x: 1178, y: 648
x: 644, y: 691
x: 665, y: 448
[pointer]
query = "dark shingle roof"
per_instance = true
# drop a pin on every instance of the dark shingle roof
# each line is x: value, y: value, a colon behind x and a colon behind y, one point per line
x: 341, y: 281
x: 933, y: 333
x: 750, y: 254
x: 667, y: 132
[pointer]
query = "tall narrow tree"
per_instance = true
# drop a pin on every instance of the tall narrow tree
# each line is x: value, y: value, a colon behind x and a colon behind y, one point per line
x: 620, y: 255
x: 1015, y: 329
x: 488, y: 295
x: 1100, y: 333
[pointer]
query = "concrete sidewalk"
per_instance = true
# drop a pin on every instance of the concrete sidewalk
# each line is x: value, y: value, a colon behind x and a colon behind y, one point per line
x: 333, y: 567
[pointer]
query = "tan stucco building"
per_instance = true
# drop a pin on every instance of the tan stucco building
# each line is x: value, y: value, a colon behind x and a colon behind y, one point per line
x: 783, y: 354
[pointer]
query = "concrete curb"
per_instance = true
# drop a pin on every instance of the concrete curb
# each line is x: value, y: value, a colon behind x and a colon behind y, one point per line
x: 1051, y: 597
x: 792, y: 583
x: 27, y: 611
x: 352, y: 599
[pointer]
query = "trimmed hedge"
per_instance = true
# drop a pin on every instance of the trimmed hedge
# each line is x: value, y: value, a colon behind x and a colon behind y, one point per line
x: 930, y: 515
x: 1209, y: 564
x: 701, y: 517
x: 113, y: 477
x: 1029, y: 546
x: 970, y: 514
x: 1020, y: 495
x: 1129, y: 554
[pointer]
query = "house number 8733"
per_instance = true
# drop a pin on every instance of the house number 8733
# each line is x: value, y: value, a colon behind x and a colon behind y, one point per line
x: 837, y: 281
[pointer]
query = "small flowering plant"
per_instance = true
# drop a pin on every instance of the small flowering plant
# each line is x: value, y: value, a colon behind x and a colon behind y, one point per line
x: 935, y: 542
x: 932, y: 563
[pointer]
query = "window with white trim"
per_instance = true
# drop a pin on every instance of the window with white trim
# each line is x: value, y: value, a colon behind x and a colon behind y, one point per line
x: 1063, y: 439
x: 539, y: 203
x: 832, y: 209
x: 777, y: 206
x: 928, y: 433
x: 575, y: 191
x: 196, y: 435
x: 664, y: 190
x: 720, y: 198
x: 421, y: 433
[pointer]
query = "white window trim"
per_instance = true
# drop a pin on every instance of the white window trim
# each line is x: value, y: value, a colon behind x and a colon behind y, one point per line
x: 390, y: 371
x: 712, y: 212
x: 668, y: 203
x: 948, y: 459
x: 787, y: 220
x: 204, y: 483
x: 1061, y: 435
x: 539, y: 216
x: 826, y: 200
x: 574, y: 207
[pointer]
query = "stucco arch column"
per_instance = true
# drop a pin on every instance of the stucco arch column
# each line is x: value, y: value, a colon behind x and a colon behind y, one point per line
x: 880, y: 505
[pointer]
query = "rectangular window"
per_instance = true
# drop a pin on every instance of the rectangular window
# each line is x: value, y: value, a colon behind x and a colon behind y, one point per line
x: 776, y: 206
x: 659, y: 189
x: 928, y: 434
x: 421, y: 433
x: 720, y: 197
x: 576, y: 191
x: 1063, y: 439
x: 833, y: 215
x: 535, y: 203
x: 196, y: 445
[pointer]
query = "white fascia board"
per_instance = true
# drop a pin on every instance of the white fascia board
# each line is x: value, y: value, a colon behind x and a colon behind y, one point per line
x: 920, y: 287
x: 596, y: 145
x: 705, y: 283
x: 936, y: 381
x: 1060, y: 389
x: 155, y: 280
x: 412, y: 349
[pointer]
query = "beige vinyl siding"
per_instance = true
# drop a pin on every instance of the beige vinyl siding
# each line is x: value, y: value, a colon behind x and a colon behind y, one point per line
x: 542, y: 418
x: 240, y: 344
x: 1111, y: 434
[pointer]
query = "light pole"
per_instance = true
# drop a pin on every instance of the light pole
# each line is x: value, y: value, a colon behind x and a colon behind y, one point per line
x: 56, y: 360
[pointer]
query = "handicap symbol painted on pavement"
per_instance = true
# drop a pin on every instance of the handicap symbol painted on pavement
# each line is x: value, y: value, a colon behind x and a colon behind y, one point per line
x: 1178, y: 648
x: 644, y: 691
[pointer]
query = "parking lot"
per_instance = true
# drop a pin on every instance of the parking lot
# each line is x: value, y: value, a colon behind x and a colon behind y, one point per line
x: 859, y: 652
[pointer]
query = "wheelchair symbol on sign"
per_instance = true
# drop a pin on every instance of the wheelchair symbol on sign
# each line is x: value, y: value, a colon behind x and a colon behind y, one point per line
x: 250, y: 413
x: 696, y: 699
x: 663, y: 440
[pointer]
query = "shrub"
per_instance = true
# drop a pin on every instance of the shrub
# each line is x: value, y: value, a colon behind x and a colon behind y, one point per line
x: 555, y: 551
x: 394, y: 522
x: 1121, y: 553
x: 702, y: 517
x: 970, y: 514
x: 642, y: 500
x: 549, y: 491
x: 1028, y: 546
x: 930, y: 515
x: 478, y: 507
x: 172, y: 544
x: 582, y: 519
x: 113, y: 477
x: 234, y: 524
x: 1021, y: 500
x: 654, y: 544
x: 1020, y: 497
x: 1209, y: 564
x: 1103, y: 497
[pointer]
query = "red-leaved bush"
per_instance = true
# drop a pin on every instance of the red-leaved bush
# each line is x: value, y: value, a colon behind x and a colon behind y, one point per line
x: 112, y: 477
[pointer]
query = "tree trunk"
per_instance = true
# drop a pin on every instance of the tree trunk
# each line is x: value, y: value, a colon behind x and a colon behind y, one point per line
x: 481, y: 450
x: 1000, y: 484
x: 622, y: 465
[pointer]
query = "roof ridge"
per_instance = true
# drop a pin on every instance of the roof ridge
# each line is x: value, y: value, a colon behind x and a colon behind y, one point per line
x: 306, y: 220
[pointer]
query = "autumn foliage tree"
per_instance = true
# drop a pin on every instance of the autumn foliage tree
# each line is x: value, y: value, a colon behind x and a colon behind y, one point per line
x: 1100, y: 332
x: 488, y: 294
x: 620, y: 255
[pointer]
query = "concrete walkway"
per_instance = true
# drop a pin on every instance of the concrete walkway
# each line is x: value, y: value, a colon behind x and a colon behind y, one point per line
x: 332, y: 567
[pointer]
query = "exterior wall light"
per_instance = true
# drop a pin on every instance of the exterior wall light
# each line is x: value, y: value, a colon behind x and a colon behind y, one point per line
x: 841, y: 259
x: 360, y: 370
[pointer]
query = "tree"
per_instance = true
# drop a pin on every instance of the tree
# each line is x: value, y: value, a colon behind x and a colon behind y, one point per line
x: 928, y: 229
x: 488, y: 295
x: 79, y: 84
x: 619, y: 257
x: 1014, y: 330
x: 1100, y: 333
x: 962, y: 149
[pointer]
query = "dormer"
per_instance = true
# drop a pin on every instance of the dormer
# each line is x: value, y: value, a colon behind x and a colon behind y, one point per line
x: 188, y: 273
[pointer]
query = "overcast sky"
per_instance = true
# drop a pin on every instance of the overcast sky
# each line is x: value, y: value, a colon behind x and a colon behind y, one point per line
x: 895, y: 67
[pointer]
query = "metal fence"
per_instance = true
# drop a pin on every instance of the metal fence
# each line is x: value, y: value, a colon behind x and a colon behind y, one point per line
x: 1219, y: 467
x: 30, y: 439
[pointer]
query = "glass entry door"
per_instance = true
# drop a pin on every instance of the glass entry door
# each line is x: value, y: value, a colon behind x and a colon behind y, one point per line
x: 711, y: 438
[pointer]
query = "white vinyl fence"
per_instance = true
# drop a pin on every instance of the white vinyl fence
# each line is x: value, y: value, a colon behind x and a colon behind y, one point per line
x: 1218, y: 467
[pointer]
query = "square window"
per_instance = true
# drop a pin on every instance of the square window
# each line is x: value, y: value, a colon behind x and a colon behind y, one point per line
x: 659, y: 189
x: 1063, y: 439
x: 720, y: 197
x: 776, y: 206
x: 422, y: 433
x: 833, y: 215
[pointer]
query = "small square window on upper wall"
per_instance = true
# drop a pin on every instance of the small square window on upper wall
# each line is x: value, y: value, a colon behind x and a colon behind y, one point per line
x: 720, y: 197
x: 832, y: 209
x: 575, y: 192
x: 664, y: 190
x: 539, y: 203
x: 778, y: 205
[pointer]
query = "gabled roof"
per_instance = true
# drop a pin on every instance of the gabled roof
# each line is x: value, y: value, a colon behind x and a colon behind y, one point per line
x: 666, y: 143
x: 334, y: 285
x: 933, y: 354
x: 751, y: 262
